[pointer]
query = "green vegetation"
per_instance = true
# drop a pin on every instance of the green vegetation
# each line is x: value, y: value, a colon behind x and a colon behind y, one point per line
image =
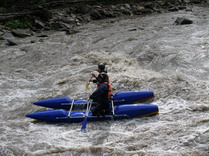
x: 9, y: 3
x: 2, y: 10
x: 18, y: 23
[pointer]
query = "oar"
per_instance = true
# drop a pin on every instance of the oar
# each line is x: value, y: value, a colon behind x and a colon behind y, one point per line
x: 83, y: 127
x: 71, y: 107
x: 113, y: 109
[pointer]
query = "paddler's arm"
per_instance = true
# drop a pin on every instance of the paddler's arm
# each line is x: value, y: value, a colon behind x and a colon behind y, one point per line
x: 95, y: 78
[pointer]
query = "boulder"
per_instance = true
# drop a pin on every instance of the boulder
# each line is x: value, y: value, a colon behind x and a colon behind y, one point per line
x: 39, y: 24
x: 181, y: 21
x: 1, y: 33
x: 6, y: 36
x: 95, y: 14
x: 11, y: 43
x: 21, y: 33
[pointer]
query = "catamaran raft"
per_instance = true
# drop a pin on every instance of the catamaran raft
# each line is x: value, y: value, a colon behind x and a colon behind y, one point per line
x: 122, y: 107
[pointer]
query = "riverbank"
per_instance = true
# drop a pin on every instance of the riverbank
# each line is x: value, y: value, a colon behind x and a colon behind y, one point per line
x: 67, y: 18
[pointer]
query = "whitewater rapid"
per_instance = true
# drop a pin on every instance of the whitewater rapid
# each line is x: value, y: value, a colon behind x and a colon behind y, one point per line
x: 141, y: 53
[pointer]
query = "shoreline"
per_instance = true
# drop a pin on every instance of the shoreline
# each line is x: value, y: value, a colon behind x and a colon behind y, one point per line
x: 68, y: 18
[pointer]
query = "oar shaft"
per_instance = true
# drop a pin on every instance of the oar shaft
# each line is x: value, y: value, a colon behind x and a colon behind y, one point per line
x: 71, y: 107
x: 88, y: 107
x: 113, y: 109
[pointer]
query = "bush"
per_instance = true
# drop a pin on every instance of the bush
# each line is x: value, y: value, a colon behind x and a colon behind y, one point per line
x: 23, y: 23
x: 2, y: 10
x: 10, y: 3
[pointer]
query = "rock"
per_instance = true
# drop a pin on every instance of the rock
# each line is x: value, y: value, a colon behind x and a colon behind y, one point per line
x: 39, y: 24
x: 111, y: 21
x: 181, y: 21
x: 127, y: 6
x: 83, y: 9
x: 134, y: 29
x: 6, y: 36
x: 173, y: 9
x: 86, y: 18
x: 182, y: 7
x: 64, y: 26
x: 161, y: 3
x: 138, y: 10
x: 95, y: 14
x: 70, y: 32
x: 41, y: 40
x: 11, y: 43
x: 1, y: 33
x: 42, y: 35
x: 149, y: 5
x: 125, y: 11
x: 106, y: 13
x: 21, y: 33
x: 196, y: 1
x: 2, y: 28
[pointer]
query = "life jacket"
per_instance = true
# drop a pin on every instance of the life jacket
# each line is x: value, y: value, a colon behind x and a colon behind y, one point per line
x: 109, y: 89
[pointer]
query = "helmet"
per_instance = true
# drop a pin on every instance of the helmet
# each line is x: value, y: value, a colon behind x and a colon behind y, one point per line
x: 101, y: 66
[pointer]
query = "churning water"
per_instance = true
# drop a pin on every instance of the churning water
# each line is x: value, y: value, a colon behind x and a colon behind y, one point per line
x: 141, y: 53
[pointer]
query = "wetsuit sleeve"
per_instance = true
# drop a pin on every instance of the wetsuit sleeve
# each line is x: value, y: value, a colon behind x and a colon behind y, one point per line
x: 95, y: 94
x: 95, y: 80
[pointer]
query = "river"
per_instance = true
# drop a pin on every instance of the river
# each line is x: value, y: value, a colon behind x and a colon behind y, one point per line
x: 141, y: 53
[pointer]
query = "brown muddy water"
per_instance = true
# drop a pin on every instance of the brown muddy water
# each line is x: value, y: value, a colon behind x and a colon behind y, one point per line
x: 141, y: 53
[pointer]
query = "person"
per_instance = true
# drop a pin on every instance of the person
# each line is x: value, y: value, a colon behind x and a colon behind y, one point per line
x: 103, y: 93
x: 100, y: 70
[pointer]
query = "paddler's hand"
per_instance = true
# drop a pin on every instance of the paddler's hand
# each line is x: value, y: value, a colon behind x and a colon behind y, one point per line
x: 93, y: 75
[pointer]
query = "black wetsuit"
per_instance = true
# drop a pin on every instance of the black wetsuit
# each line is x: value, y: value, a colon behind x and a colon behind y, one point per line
x: 101, y: 97
x: 105, y: 78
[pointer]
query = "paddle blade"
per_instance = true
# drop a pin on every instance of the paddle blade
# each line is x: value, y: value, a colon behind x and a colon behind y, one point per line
x: 87, y: 85
x: 83, y: 127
